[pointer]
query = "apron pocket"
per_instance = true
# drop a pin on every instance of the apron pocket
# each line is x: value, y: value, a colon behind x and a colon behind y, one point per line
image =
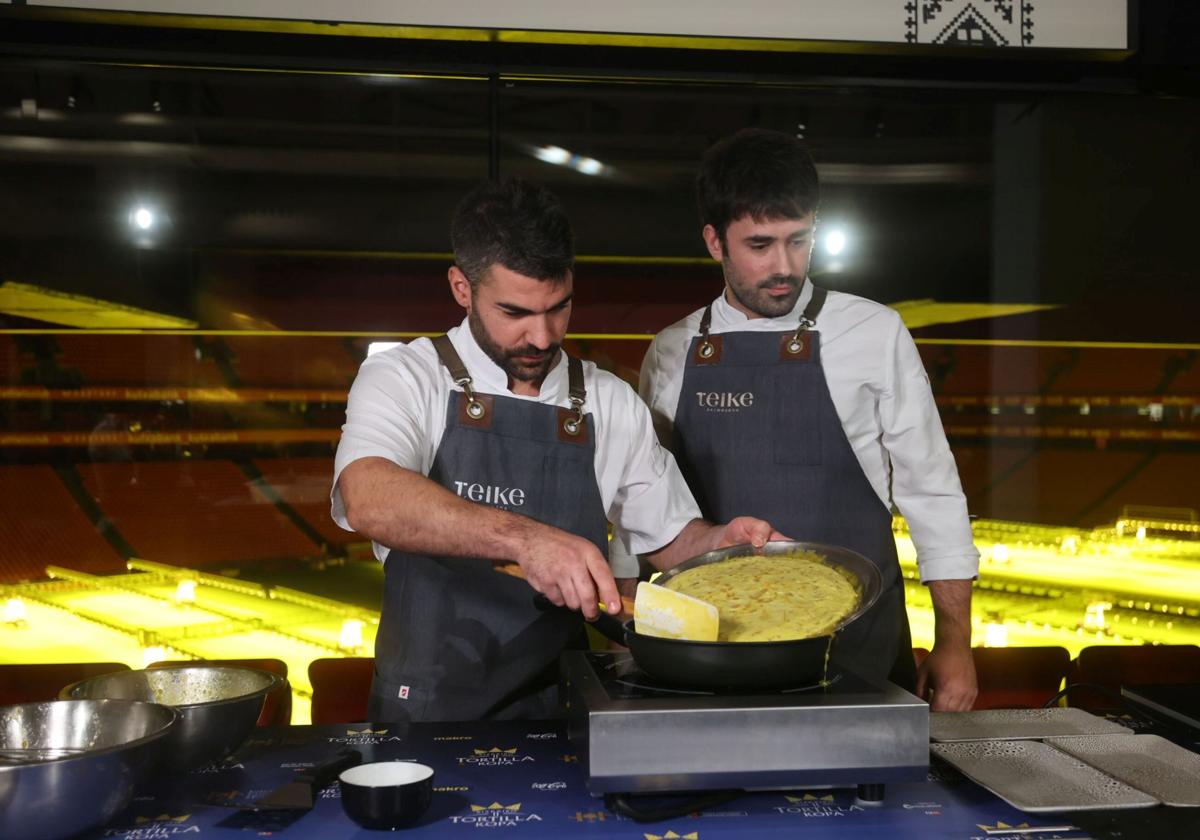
x: 797, y: 423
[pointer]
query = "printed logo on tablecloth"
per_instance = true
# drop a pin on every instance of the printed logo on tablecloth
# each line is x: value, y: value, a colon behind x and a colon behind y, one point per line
x: 495, y: 757
x: 495, y: 815
x: 816, y: 805
x: 218, y: 767
x: 157, y: 827
x: 589, y: 816
x: 452, y: 737
x: 364, y: 737
x: 549, y: 786
x: 671, y: 835
x: 542, y: 736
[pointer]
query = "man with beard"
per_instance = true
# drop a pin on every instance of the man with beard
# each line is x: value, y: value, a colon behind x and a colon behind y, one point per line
x: 811, y: 408
x: 489, y: 448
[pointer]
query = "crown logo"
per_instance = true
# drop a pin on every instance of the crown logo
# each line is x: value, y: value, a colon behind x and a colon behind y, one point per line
x: 496, y: 751
x: 161, y: 818
x: 808, y: 797
x: 589, y: 816
x: 496, y: 806
x: 671, y: 835
x: 1002, y: 826
x: 366, y: 731
x: 569, y: 759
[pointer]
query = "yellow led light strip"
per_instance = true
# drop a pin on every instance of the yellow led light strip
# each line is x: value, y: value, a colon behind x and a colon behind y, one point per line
x: 300, y: 333
x: 440, y: 256
x: 216, y: 436
x: 1098, y: 345
x: 41, y: 304
x: 195, y: 395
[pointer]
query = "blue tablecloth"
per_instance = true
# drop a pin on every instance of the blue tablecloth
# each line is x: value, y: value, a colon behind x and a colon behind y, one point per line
x: 523, y: 780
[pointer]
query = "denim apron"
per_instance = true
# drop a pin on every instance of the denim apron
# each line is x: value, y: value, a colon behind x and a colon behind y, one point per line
x: 458, y: 640
x: 757, y: 434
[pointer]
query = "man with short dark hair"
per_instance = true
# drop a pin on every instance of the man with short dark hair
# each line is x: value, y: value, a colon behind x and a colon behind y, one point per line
x: 811, y: 408
x: 489, y: 448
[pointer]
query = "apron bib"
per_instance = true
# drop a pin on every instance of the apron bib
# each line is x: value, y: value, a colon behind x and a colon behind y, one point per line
x: 757, y: 434
x: 458, y: 640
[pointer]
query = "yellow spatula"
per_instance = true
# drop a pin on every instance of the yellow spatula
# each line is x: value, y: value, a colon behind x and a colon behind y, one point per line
x: 658, y: 611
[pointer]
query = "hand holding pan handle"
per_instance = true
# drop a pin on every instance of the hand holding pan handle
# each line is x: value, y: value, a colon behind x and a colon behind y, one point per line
x: 608, y: 626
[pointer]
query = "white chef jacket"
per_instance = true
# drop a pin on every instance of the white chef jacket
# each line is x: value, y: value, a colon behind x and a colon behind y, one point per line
x: 882, y: 396
x: 397, y: 410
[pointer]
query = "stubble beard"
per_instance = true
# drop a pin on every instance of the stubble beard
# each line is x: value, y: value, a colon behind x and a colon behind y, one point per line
x: 506, y: 359
x: 755, y: 297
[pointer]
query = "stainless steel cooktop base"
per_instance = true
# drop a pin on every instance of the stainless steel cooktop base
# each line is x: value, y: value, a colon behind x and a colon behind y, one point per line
x: 851, y: 732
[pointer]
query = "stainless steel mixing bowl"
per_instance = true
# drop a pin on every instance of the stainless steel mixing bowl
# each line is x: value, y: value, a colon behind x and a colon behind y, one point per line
x: 218, y: 705
x: 71, y: 765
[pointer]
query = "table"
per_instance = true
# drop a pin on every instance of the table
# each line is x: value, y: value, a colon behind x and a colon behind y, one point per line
x: 522, y: 779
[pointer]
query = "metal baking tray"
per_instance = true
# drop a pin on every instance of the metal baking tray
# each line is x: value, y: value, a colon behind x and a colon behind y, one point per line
x: 1149, y: 763
x: 1036, y: 777
x: 1018, y: 724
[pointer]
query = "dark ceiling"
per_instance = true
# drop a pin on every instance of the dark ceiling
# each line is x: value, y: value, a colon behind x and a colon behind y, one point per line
x: 364, y: 146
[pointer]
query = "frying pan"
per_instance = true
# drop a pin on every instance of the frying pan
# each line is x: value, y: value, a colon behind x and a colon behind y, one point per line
x: 746, y: 665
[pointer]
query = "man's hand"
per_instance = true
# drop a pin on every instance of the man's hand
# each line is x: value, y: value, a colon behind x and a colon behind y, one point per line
x: 565, y: 568
x: 747, y: 529
x: 949, y: 672
x: 700, y: 537
x: 569, y: 571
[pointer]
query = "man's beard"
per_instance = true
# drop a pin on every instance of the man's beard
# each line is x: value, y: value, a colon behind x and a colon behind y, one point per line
x: 507, y: 359
x: 757, y: 300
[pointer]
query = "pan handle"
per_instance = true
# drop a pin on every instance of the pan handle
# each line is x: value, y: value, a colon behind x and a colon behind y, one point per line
x: 608, y: 626
x: 322, y: 775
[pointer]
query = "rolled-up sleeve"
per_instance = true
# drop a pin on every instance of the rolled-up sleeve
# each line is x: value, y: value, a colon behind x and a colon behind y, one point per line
x: 925, y: 482
x: 385, y: 418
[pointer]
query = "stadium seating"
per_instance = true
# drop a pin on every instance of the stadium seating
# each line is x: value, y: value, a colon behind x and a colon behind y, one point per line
x: 1114, y: 371
x: 13, y: 361
x: 292, y: 361
x: 1014, y: 677
x: 193, y: 513
x: 137, y: 360
x: 304, y: 485
x: 35, y: 683
x: 340, y: 688
x: 42, y: 524
x: 1168, y: 480
x: 1112, y: 666
x: 1018, y: 677
x: 1048, y: 488
x: 277, y: 710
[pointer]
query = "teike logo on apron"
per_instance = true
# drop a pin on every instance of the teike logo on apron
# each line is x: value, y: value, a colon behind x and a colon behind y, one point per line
x: 724, y: 401
x: 501, y: 497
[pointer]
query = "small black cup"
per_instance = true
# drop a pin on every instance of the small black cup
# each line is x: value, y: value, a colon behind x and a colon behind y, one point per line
x: 387, y: 794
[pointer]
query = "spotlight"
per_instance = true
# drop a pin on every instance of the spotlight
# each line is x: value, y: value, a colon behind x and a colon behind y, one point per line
x: 142, y: 218
x: 589, y: 166
x: 835, y: 242
x: 558, y: 156
x: 552, y: 154
x: 185, y: 592
x: 14, y: 611
x: 351, y: 635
